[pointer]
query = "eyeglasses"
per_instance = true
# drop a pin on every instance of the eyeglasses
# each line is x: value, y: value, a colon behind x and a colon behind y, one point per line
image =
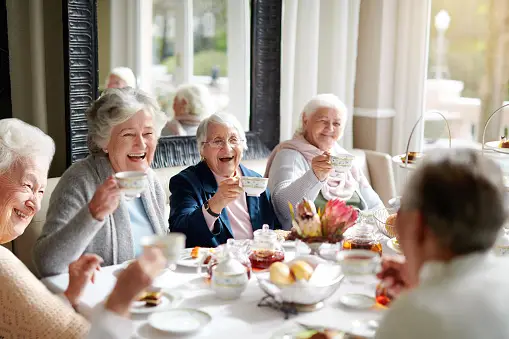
x: 220, y: 143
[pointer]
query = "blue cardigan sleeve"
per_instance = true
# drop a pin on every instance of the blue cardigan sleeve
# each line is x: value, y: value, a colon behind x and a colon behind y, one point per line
x: 186, y: 215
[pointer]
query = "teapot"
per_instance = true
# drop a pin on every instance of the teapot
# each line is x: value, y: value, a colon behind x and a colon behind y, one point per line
x: 239, y: 249
x: 229, y: 277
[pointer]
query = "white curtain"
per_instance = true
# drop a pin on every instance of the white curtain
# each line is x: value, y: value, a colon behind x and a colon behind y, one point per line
x: 319, y: 52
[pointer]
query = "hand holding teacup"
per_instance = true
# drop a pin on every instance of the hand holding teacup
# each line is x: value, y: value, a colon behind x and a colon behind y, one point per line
x: 105, y: 200
x: 228, y: 190
x: 322, y: 166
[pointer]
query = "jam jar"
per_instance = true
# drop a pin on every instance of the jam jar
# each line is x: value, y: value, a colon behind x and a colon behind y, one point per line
x: 266, y: 249
x: 362, y: 236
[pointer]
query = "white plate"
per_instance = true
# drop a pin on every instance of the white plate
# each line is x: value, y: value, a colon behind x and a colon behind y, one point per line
x: 187, y: 261
x: 397, y: 159
x: 168, y: 300
x: 393, y: 246
x: 180, y: 320
x: 358, y: 301
x: 289, y: 243
x: 494, y: 146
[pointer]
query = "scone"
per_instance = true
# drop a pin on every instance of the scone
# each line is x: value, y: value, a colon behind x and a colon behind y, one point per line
x: 390, y: 225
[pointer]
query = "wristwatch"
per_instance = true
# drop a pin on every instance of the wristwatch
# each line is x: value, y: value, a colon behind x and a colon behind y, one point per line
x: 207, y: 207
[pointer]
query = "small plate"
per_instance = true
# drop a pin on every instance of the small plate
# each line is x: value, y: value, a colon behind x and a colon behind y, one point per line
x: 397, y: 159
x: 289, y: 244
x: 393, y: 246
x: 187, y: 261
x: 357, y: 301
x: 180, y: 320
x: 494, y: 146
x: 168, y: 300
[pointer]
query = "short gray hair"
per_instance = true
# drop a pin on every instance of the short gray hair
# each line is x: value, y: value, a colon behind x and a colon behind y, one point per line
x: 197, y: 97
x: 225, y: 119
x: 20, y: 141
x: 324, y: 100
x: 460, y: 195
x: 115, y: 106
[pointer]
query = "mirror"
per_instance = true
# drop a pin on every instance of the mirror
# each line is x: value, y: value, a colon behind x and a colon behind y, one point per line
x: 248, y: 86
x: 193, y: 55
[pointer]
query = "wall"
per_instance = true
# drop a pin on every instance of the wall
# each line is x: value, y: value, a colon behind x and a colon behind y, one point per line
x: 37, y: 74
x: 104, y: 38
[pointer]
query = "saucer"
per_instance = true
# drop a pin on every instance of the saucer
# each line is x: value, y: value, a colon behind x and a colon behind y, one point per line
x: 180, y: 321
x: 357, y: 301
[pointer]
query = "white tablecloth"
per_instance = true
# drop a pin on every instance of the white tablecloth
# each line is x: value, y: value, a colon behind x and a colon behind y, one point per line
x: 240, y: 318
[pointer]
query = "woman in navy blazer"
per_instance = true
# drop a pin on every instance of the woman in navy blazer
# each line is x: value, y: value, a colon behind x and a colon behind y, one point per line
x: 207, y: 203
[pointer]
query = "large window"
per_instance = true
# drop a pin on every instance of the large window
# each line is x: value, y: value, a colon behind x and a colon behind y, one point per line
x: 467, y: 70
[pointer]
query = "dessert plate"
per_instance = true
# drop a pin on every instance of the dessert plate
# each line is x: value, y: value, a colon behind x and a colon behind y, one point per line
x: 181, y: 321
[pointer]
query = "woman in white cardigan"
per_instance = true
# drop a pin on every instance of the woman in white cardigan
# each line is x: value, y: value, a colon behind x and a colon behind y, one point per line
x: 301, y: 168
x: 27, y: 308
x: 451, y: 213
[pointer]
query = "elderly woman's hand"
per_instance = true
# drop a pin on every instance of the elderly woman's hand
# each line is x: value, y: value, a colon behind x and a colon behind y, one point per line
x: 81, y: 272
x: 105, y: 200
x: 134, y: 279
x: 227, y: 191
x: 394, y: 275
x: 321, y: 166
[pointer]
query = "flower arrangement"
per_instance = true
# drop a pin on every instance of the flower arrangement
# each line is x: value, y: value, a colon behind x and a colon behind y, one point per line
x: 327, y: 225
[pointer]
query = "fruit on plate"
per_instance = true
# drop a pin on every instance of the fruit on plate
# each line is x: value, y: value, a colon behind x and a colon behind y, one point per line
x: 301, y: 270
x: 280, y: 274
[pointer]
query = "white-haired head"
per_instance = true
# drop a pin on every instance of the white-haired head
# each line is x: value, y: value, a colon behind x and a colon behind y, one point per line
x: 20, y: 141
x: 125, y: 74
x: 195, y: 100
x: 115, y: 106
x: 225, y: 119
x: 325, y: 100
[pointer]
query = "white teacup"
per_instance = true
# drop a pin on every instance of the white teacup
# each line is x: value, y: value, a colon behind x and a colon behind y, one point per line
x: 132, y: 183
x: 254, y: 186
x: 342, y: 162
x: 356, y: 263
x: 171, y: 245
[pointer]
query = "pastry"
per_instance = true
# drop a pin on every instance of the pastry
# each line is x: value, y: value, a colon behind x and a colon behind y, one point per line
x: 282, y: 235
x: 390, y: 225
x: 151, y: 299
x: 504, y: 143
x: 412, y: 157
x: 195, y: 252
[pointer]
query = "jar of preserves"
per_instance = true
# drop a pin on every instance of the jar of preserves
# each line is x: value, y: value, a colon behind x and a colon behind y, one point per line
x: 266, y: 249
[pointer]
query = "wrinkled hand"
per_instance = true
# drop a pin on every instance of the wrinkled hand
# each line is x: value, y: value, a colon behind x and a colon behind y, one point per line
x: 394, y: 275
x: 105, y: 200
x: 134, y: 279
x: 321, y: 166
x: 81, y: 272
x: 227, y: 191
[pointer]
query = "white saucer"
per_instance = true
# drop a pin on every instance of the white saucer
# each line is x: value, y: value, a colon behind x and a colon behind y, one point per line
x: 168, y: 300
x: 187, y: 261
x: 180, y: 320
x: 289, y: 243
x: 358, y: 301
x: 393, y: 246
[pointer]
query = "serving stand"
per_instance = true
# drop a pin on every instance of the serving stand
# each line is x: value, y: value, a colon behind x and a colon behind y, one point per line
x: 495, y: 153
x: 411, y: 166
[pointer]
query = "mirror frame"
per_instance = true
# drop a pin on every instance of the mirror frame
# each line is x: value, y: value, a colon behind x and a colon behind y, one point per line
x: 82, y: 79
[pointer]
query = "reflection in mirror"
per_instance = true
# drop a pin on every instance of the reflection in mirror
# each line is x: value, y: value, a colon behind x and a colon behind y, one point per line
x: 178, y: 51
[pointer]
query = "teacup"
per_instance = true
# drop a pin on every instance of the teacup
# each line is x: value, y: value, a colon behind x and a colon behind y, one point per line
x: 342, y: 162
x: 171, y: 245
x: 254, y: 186
x: 355, y: 263
x: 132, y: 183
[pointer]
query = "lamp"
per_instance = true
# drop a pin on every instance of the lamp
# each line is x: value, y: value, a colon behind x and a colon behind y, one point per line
x: 442, y: 20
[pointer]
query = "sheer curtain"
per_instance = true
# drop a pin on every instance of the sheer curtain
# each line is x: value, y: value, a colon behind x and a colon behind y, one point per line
x: 319, y: 52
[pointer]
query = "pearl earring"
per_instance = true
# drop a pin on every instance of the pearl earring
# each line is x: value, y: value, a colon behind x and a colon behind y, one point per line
x: 105, y: 151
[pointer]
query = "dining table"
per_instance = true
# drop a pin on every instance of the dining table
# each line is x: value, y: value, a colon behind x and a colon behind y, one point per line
x: 238, y: 318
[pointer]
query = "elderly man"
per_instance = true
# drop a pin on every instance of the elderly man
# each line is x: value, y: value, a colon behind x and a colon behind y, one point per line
x: 451, y: 213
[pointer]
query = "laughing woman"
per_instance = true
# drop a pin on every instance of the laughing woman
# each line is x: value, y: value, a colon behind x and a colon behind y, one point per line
x: 86, y: 212
x: 207, y: 203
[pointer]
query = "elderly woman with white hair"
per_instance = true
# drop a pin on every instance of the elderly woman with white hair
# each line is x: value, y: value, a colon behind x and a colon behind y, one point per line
x: 121, y: 77
x: 192, y: 103
x: 301, y: 167
x: 452, y: 210
x: 86, y: 212
x: 207, y: 203
x: 27, y: 308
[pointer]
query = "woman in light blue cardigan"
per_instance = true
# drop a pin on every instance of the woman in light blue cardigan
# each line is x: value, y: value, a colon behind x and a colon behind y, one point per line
x: 86, y: 212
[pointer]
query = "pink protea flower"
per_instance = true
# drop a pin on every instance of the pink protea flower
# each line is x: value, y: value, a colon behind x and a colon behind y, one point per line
x: 338, y: 217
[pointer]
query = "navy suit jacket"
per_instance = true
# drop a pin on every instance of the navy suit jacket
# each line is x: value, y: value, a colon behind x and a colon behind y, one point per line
x: 191, y: 188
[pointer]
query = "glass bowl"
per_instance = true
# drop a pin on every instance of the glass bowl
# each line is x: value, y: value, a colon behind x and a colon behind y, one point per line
x: 380, y: 216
